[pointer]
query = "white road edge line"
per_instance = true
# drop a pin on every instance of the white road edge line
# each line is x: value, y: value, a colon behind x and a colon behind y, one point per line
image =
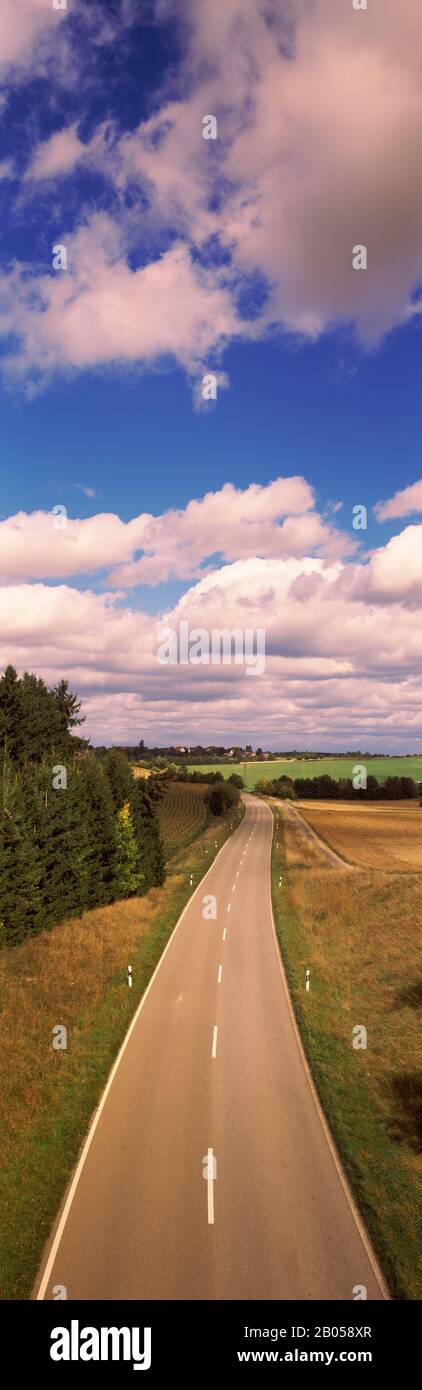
x: 78, y: 1170
x: 214, y: 1041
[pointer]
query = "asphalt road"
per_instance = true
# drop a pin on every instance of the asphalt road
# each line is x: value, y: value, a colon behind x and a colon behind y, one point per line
x: 213, y: 1063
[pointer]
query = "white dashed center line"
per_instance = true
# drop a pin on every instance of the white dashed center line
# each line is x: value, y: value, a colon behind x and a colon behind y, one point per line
x: 220, y: 972
x: 214, y: 1041
x: 210, y: 1187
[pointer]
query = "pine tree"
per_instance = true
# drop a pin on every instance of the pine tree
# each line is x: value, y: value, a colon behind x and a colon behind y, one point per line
x: 126, y: 788
x: 57, y: 824
x: 20, y: 898
x: 10, y: 715
x: 39, y: 726
x: 64, y: 849
x: 95, y: 846
x: 67, y: 710
x: 120, y: 777
x: 147, y: 829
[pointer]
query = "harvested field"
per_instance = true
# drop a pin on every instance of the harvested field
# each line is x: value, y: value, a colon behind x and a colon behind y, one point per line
x: 373, y: 837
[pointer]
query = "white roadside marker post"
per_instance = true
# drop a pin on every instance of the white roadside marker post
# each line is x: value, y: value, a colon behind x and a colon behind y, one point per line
x: 129, y: 976
x: 308, y: 977
x: 191, y: 880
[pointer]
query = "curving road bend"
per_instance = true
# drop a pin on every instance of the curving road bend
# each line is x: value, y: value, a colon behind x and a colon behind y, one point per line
x: 209, y: 1173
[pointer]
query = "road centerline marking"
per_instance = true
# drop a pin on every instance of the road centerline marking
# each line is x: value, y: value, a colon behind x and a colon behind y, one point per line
x: 210, y: 1187
x: 214, y: 1041
x: 220, y: 972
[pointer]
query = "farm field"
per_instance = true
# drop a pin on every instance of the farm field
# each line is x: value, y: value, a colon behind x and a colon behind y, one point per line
x: 299, y: 767
x: 182, y: 815
x: 374, y: 837
x: 357, y: 934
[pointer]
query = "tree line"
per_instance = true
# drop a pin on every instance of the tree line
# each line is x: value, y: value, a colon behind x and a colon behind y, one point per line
x: 326, y: 788
x: 223, y: 793
x: 76, y: 831
x: 36, y: 722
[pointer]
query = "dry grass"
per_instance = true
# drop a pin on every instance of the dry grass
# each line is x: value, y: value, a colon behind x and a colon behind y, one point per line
x: 360, y: 936
x: 301, y: 850
x: 373, y: 837
x: 53, y: 979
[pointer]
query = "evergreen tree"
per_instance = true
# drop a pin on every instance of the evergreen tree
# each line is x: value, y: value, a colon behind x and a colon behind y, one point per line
x: 95, y: 846
x: 57, y: 824
x: 10, y: 715
x: 65, y: 848
x: 67, y: 709
x: 20, y: 897
x: 147, y: 829
x: 40, y: 730
x: 125, y: 787
x: 120, y: 777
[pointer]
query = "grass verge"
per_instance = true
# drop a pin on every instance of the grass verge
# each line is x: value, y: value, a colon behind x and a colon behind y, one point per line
x: 357, y: 933
x: 74, y: 975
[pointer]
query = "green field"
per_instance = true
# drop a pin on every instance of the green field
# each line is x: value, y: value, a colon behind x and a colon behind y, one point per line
x: 300, y: 767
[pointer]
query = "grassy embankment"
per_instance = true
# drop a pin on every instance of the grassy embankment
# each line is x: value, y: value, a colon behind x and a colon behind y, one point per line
x: 357, y: 932
x: 75, y: 975
x: 381, y: 768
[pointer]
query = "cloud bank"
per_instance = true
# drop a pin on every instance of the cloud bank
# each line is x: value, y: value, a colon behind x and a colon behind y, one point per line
x: 343, y: 631
x: 319, y: 111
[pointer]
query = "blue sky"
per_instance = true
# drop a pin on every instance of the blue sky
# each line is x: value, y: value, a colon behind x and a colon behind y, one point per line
x: 351, y: 422
x: 184, y: 258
